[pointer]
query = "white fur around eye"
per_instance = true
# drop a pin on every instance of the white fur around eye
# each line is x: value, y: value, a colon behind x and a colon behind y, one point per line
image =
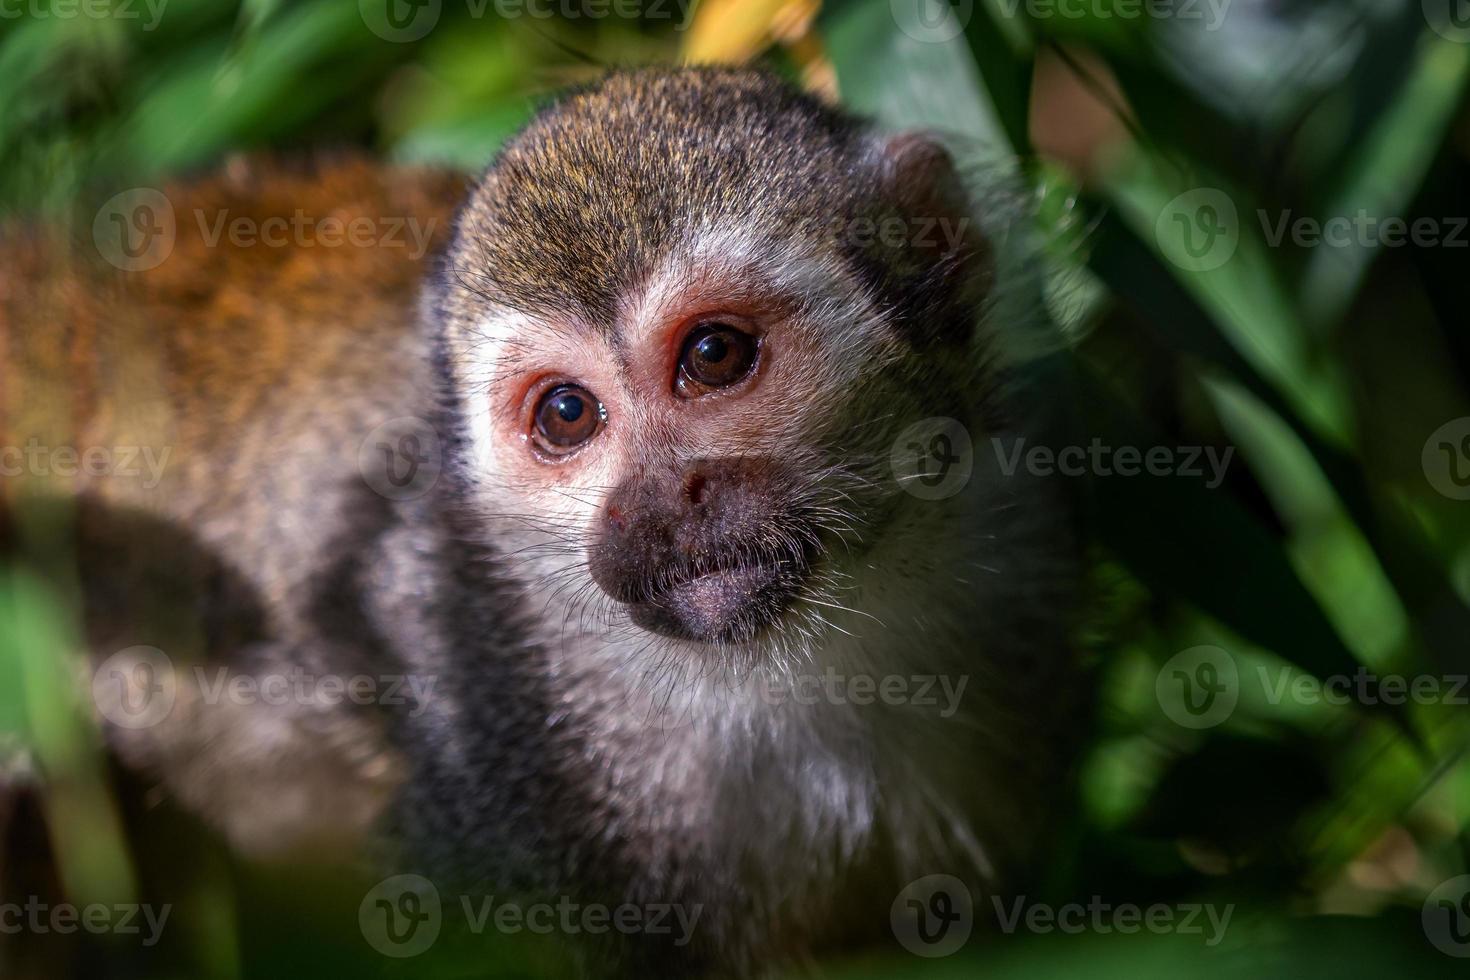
x: 905, y: 606
x: 745, y: 259
x: 478, y: 376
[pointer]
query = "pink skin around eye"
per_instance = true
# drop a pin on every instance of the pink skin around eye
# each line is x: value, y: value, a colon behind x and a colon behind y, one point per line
x: 717, y: 355
x: 647, y: 376
x: 659, y: 374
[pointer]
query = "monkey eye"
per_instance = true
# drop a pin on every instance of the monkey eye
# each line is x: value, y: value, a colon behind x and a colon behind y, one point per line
x: 566, y: 416
x: 715, y: 355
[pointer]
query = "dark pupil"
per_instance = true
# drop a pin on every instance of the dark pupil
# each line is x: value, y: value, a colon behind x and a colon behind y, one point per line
x: 566, y: 416
x: 570, y: 407
x: 718, y: 354
x: 713, y: 349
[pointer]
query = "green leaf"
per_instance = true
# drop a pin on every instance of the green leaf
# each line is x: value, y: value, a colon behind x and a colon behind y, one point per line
x: 1134, y: 274
x: 925, y: 78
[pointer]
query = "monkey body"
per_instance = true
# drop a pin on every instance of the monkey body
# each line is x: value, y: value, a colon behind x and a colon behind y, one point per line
x: 237, y: 380
x: 649, y: 590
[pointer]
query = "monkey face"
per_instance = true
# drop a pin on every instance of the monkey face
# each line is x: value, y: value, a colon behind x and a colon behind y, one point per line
x: 710, y: 462
x: 678, y: 375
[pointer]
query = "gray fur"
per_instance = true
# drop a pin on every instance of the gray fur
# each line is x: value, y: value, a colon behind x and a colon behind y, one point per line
x: 582, y: 755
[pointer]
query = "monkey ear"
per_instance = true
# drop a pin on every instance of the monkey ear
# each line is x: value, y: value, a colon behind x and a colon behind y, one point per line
x: 944, y: 256
x: 919, y: 174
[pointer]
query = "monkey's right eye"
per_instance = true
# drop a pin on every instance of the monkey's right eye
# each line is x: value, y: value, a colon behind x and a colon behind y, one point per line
x: 565, y: 417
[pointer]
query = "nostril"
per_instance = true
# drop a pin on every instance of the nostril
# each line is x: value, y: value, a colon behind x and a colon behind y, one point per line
x: 694, y: 485
x: 615, y: 517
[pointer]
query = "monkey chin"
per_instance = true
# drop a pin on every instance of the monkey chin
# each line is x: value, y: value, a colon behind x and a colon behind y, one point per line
x: 728, y: 606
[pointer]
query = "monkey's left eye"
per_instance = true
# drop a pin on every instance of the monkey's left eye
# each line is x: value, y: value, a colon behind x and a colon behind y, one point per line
x: 715, y: 355
x: 566, y: 416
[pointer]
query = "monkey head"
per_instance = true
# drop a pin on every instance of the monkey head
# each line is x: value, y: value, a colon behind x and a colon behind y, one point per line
x: 682, y: 320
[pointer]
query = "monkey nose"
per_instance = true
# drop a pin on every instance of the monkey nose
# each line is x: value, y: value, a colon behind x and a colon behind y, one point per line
x: 695, y: 483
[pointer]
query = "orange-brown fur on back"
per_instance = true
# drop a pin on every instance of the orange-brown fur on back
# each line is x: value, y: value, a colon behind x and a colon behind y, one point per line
x: 240, y: 378
x: 620, y: 634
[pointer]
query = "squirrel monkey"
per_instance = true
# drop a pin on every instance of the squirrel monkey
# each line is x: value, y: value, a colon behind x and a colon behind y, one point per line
x: 695, y: 621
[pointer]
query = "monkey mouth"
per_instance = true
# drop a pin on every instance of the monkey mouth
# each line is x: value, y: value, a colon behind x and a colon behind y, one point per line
x: 727, y: 605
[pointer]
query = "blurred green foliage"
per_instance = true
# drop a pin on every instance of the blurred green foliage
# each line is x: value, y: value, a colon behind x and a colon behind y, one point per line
x: 1327, y: 368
